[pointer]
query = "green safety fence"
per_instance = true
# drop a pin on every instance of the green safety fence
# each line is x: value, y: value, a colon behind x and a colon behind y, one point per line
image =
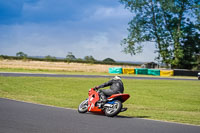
x: 116, y: 70
x: 141, y: 71
x: 155, y: 72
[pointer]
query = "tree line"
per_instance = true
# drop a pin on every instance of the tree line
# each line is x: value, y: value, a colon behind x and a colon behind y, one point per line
x: 90, y: 59
x: 70, y: 57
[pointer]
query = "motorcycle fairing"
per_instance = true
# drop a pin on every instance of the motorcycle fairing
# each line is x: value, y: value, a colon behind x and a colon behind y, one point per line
x: 123, y: 97
x: 92, y: 101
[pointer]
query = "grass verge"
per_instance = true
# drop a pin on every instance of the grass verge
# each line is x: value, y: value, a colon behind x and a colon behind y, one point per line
x: 167, y: 100
x: 82, y: 73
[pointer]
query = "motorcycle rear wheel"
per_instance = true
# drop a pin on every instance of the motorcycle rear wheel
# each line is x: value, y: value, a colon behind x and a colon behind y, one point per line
x: 83, y: 107
x: 113, y: 111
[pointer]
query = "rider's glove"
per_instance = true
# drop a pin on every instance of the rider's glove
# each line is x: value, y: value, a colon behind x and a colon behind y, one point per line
x: 96, y: 87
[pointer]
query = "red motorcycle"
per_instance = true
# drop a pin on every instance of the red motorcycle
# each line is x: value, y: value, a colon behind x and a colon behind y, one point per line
x: 111, y: 108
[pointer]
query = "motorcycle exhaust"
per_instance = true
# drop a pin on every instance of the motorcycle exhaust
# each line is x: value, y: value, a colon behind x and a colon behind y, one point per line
x: 108, y: 105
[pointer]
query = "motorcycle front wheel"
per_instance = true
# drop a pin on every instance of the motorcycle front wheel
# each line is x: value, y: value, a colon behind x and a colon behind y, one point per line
x: 114, y: 110
x: 83, y: 107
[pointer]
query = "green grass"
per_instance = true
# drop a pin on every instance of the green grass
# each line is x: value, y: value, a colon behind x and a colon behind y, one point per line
x: 49, y: 71
x: 82, y: 73
x: 167, y: 100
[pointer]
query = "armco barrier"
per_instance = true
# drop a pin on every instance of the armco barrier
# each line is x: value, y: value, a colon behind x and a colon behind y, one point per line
x: 116, y: 70
x: 166, y: 72
x: 128, y: 70
x: 141, y: 71
x: 155, y: 72
x: 179, y: 72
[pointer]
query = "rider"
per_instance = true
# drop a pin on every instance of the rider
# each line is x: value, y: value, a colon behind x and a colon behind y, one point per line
x: 116, y: 86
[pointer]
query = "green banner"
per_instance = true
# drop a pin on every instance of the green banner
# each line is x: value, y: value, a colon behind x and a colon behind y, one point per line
x: 141, y: 71
x: 155, y: 72
x: 117, y: 70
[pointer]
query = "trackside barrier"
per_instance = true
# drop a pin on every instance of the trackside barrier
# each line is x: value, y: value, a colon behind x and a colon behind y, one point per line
x: 128, y: 70
x: 116, y: 70
x: 166, y: 72
x: 155, y: 72
x: 179, y: 72
x: 141, y: 71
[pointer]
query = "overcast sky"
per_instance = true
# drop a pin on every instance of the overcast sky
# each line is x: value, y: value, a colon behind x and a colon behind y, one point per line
x: 56, y: 27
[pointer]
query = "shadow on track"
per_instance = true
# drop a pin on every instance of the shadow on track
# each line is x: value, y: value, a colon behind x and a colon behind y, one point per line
x: 118, y: 116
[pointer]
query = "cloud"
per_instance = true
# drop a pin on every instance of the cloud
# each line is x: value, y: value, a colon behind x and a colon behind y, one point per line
x: 50, y: 11
x: 51, y: 27
x: 106, y: 12
x: 38, y: 39
x: 46, y: 11
x: 11, y: 10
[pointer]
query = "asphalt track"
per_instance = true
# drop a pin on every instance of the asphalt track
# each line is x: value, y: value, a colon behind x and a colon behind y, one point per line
x: 22, y: 117
x: 15, y: 74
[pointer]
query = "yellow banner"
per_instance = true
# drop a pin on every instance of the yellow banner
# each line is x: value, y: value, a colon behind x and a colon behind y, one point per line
x: 166, y: 72
x: 128, y: 71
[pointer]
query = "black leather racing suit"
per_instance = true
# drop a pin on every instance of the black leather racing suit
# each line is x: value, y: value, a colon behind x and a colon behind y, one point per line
x: 116, y: 86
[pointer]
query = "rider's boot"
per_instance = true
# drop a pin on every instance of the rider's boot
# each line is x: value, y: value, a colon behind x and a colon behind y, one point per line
x: 103, y: 100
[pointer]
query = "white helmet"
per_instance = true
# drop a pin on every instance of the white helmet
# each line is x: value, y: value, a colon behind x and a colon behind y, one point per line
x: 117, y: 78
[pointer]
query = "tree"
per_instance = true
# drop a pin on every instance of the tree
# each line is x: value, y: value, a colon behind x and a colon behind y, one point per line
x: 70, y: 56
x: 89, y: 59
x: 109, y: 60
x: 50, y: 58
x: 21, y: 55
x: 162, y: 22
x: 197, y: 67
x: 191, y: 49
